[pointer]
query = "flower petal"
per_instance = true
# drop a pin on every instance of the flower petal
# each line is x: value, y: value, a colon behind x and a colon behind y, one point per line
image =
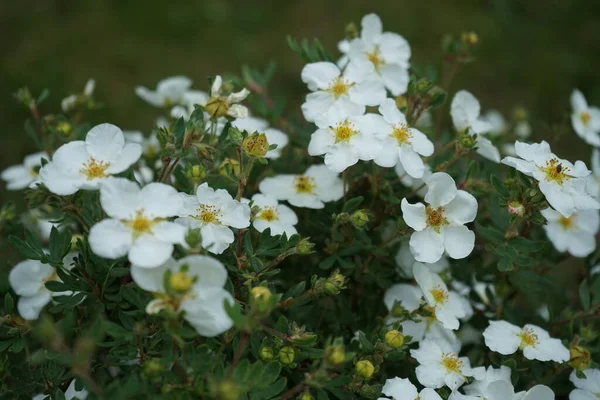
x: 110, y: 239
x: 462, y: 209
x: 502, y: 337
x: 148, y: 252
x: 427, y: 246
x: 441, y: 189
x: 105, y: 142
x: 414, y: 215
x: 319, y: 75
x: 459, y: 241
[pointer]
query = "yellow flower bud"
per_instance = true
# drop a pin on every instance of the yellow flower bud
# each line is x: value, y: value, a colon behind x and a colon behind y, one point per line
x: 394, y: 338
x: 64, y: 128
x: 335, y: 355
x: 306, y: 396
x: 228, y: 167
x: 580, y: 359
x: 266, y: 353
x: 180, y: 282
x: 470, y: 38
x: 260, y: 293
x: 287, y: 355
x: 216, y: 107
x: 364, y: 368
x: 360, y: 218
x: 256, y: 144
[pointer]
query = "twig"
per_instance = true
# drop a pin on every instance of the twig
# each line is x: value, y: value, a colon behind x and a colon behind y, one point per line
x: 238, y: 352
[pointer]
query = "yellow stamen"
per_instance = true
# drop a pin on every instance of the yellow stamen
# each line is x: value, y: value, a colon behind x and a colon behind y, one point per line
x: 209, y: 214
x: 375, y: 58
x: 343, y: 131
x: 402, y: 134
x: 566, y: 222
x: 93, y: 169
x: 304, y: 184
x: 181, y: 282
x: 585, y: 117
x: 451, y: 362
x: 440, y: 296
x: 339, y: 87
x: 268, y: 214
x: 528, y: 338
x: 140, y: 224
x: 435, y: 217
x: 555, y: 171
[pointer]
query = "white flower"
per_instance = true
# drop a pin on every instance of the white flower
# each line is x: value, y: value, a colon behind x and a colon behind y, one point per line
x: 312, y: 189
x: 522, y: 129
x: 28, y: 279
x: 349, y: 91
x: 169, y: 91
x: 588, y: 388
x: 73, y: 394
x: 189, y: 101
x: 593, y: 180
x: 387, y: 53
x: 400, y: 143
x: 403, y: 389
x: 219, y: 106
x: 24, y: 175
x: 258, y: 125
x: 563, y: 183
x: 479, y: 386
x: 195, y: 287
x: 150, y: 144
x: 137, y: 224
x: 344, y: 139
x: 465, y: 110
x: 440, y: 226
x: 278, y: 217
x: 575, y: 234
x: 447, y: 306
x: 417, y: 184
x: 84, y: 164
x: 213, y: 212
x: 405, y: 261
x: 496, y: 122
x: 585, y: 119
x: 536, y: 344
x: 70, y: 101
x: 439, y: 365
x: 503, y: 390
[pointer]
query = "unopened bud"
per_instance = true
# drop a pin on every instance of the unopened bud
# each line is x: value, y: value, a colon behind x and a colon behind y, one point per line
x: 397, y: 310
x: 580, y: 358
x: 470, y: 38
x: 228, y: 390
x: 360, y: 219
x: 64, y: 128
x: 152, y: 368
x: 401, y: 102
x: 260, y: 297
x: 266, y: 353
x: 216, y: 107
x: 520, y: 114
x: 351, y: 31
x: 335, y: 283
x: 229, y: 167
x: 287, y: 355
x: 423, y: 85
x: 468, y: 141
x: 197, y: 173
x: 306, y: 396
x: 304, y: 247
x: 516, y: 208
x: 335, y: 355
x: 256, y: 144
x: 394, y: 338
x: 364, y: 368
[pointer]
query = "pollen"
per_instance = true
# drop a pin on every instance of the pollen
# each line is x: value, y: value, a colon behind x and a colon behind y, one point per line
x: 339, y: 87
x: 402, y: 134
x: 451, y: 362
x: 528, y: 338
x: 440, y: 296
x: 555, y: 171
x: 140, y: 224
x: 566, y: 222
x: 375, y: 58
x: 268, y: 214
x: 209, y: 214
x: 93, y: 169
x: 304, y: 184
x: 585, y: 117
x: 435, y: 218
x: 180, y: 282
x: 344, y: 131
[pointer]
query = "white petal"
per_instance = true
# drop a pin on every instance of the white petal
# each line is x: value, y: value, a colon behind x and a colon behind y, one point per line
x: 395, y: 78
x: 170, y: 232
x: 539, y: 392
x: 130, y: 154
x: 341, y: 157
x: 151, y: 279
x: 502, y: 337
x: 321, y: 141
x: 319, y: 75
x: 486, y: 149
x: 441, y: 189
x: 391, y: 113
x: 427, y: 246
x: 462, y: 209
x: 159, y: 200
x: 57, y: 182
x: 368, y: 93
x: 371, y: 28
x: 316, y: 104
x: 29, y: 307
x: 411, y: 161
x: 578, y: 102
x: 216, y: 238
x: 414, y: 215
x: 209, y: 270
x: 464, y: 110
x: 207, y: 312
x: 408, y: 296
x: 27, y: 277
x: 148, y: 252
x: 421, y: 143
x: 105, y: 142
x: 431, y: 376
x: 236, y: 214
x: 120, y: 197
x: 110, y: 239
x: 398, y: 388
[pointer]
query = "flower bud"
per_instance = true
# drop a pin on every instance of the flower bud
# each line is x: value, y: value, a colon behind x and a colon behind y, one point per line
x: 364, y: 368
x: 304, y: 247
x: 266, y: 353
x: 580, y: 359
x: 229, y: 167
x: 256, y: 144
x: 516, y: 208
x: 468, y: 141
x: 193, y: 237
x: 520, y: 114
x: 152, y: 368
x: 360, y: 219
x: 335, y: 283
x: 64, y: 128
x: 401, y: 102
x: 260, y: 297
x: 180, y: 282
x: 397, y: 310
x: 423, y: 85
x: 470, y: 38
x: 287, y: 355
x: 228, y: 390
x: 196, y: 173
x: 306, y: 396
x: 394, y: 339
x: 335, y: 355
x: 216, y: 107
x: 351, y: 31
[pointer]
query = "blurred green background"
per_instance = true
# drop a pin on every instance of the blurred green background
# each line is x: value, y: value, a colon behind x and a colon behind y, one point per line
x: 533, y: 53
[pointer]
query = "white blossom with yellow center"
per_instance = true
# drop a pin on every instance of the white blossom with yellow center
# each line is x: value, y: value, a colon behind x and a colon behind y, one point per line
x: 575, y: 234
x: 84, y: 164
x: 535, y: 342
x: 403, y: 389
x: 169, y: 91
x: 495, y: 384
x: 24, y: 175
x: 440, y: 366
x: 585, y: 119
x: 137, y: 225
x: 279, y: 218
x: 585, y: 388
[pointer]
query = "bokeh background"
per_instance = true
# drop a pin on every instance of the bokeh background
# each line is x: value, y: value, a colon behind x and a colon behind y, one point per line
x: 533, y: 53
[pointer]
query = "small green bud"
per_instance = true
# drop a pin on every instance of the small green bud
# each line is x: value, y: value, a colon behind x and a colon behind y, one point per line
x: 256, y: 144
x: 23, y: 96
x: 306, y: 396
x: 520, y: 114
x: 152, y: 368
x: 351, y: 31
x: 260, y: 297
x: 364, y: 368
x: 580, y: 359
x: 360, y: 219
x: 397, y: 310
x: 516, y: 208
x: 193, y: 238
x: 335, y: 283
x: 304, y: 247
x: 335, y: 355
x: 229, y: 167
x: 228, y: 390
x: 423, y: 85
x: 468, y: 141
x: 196, y: 173
x: 394, y: 338
x: 287, y: 355
x: 64, y: 128
x: 266, y: 353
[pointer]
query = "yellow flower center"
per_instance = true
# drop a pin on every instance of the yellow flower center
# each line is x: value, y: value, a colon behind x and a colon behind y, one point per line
x: 566, y: 222
x: 528, y: 338
x: 343, y: 131
x: 402, y: 134
x: 435, y: 217
x: 140, y: 224
x: 268, y: 214
x: 451, y: 362
x: 585, y: 117
x: 339, y: 87
x: 440, y: 296
x: 304, y: 184
x: 93, y: 169
x: 555, y: 171
x: 209, y: 214
x: 375, y: 58
x: 181, y: 282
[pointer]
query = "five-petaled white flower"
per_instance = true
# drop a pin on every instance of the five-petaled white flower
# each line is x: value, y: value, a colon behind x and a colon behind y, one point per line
x: 484, y: 377
x: 70, y: 394
x: 440, y: 226
x: 587, y: 388
x: 503, y: 390
x: 169, y: 91
x: 575, y: 234
x: 387, y: 54
x: 195, y: 286
x: 259, y: 125
x: 24, y: 175
x: 439, y: 365
x: 344, y: 139
x: 585, y: 119
x: 317, y: 186
x: 278, y: 217
x: 84, y: 164
x: 349, y: 91
x: 400, y: 143
x: 28, y: 279
x: 405, y: 261
x: 465, y: 111
x: 69, y: 102
x: 213, y: 212
x: 137, y: 225
x: 403, y: 389
x: 536, y: 344
x: 563, y: 183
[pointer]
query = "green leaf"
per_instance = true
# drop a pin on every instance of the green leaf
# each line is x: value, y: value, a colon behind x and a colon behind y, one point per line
x: 179, y: 132
x: 505, y: 264
x: 235, y: 313
x: 584, y: 294
x: 56, y: 286
x: 364, y: 342
x: 271, y: 391
x: 352, y: 204
x: 131, y: 296
x: 489, y: 233
x: 241, y: 371
x: 270, y: 373
x: 27, y: 250
x: 9, y: 304
x: 60, y: 244
x: 328, y: 262
x: 499, y: 185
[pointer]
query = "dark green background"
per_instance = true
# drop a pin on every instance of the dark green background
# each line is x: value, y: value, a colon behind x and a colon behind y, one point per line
x: 533, y: 52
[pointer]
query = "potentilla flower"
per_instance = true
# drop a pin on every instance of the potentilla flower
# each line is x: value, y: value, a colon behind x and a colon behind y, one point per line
x: 403, y: 389
x: 195, y: 286
x: 575, y: 234
x: 70, y: 394
x: 190, y: 100
x: 344, y: 139
x: 439, y: 365
x: 317, y: 186
x: 585, y: 119
x: 465, y: 112
x: 496, y: 121
x: 350, y: 91
x: 440, y: 226
x: 536, y: 344
x: 278, y: 217
x: 405, y: 261
x: 24, y: 175
x: 502, y: 390
x: 259, y: 125
x: 387, y: 54
x: 400, y: 143
x: 150, y: 144
x: 486, y: 376
x: 587, y: 388
x: 28, y: 279
x: 563, y: 183
x: 417, y: 184
x: 84, y: 164
x: 69, y: 102
x: 446, y: 305
x: 593, y: 180
x: 169, y: 91
x: 137, y: 225
x: 219, y: 105
x: 214, y: 212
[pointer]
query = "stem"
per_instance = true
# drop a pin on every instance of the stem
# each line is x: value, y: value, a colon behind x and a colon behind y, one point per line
x: 238, y: 352
x: 166, y: 162
x: 293, y: 391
